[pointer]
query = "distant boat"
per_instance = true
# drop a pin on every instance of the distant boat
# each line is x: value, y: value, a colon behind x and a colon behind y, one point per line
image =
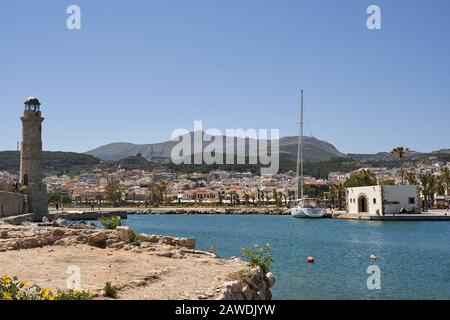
x: 304, y: 207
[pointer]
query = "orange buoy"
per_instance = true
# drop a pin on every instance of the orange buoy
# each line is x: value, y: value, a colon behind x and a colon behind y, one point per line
x: 310, y: 259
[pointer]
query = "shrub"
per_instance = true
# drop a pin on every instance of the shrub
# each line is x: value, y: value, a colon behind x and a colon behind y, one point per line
x: 110, y: 222
x: 13, y: 289
x: 134, y: 238
x: 259, y: 256
x: 110, y: 290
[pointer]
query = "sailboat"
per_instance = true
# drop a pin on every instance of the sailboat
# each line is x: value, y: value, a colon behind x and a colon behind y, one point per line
x: 304, y: 207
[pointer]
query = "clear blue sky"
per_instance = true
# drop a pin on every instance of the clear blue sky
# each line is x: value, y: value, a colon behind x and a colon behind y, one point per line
x: 137, y: 70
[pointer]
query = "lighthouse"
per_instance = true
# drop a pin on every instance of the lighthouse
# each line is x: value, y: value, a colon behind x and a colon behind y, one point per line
x: 31, y: 159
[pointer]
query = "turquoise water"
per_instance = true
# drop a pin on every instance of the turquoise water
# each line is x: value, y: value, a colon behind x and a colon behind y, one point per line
x: 414, y: 257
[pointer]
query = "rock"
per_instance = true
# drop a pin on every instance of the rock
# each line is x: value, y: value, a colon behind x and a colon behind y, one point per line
x: 262, y: 295
x: 58, y: 233
x: 189, y: 243
x: 123, y: 233
x: 270, y: 279
x: 98, y: 239
x: 235, y: 287
x: 247, y: 292
x: 148, y: 238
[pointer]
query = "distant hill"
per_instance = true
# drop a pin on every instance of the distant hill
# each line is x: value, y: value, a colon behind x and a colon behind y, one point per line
x: 442, y: 151
x: 315, y: 150
x: 381, y: 156
x: 53, y: 162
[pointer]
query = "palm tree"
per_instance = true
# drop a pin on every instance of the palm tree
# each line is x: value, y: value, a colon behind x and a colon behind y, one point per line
x: 162, y: 189
x: 411, y: 178
x: 247, y: 198
x: 400, y: 152
x: 429, y: 186
x: 445, y: 178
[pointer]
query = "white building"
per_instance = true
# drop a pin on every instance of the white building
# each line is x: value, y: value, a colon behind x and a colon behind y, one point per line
x: 381, y: 200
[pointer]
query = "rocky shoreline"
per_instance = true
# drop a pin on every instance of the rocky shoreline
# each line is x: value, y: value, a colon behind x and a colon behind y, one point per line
x: 220, y: 210
x: 143, y: 266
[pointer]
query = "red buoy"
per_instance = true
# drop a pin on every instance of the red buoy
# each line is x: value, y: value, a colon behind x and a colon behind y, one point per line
x: 310, y: 259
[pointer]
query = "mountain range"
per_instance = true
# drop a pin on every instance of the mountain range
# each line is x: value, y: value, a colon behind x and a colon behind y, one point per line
x: 321, y: 159
x: 315, y: 149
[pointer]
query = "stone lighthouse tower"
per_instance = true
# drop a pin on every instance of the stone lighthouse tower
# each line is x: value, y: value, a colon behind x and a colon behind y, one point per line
x: 31, y: 159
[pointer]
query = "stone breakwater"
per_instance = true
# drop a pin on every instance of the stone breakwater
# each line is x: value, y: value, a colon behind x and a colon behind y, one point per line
x: 242, y: 211
x: 142, y: 266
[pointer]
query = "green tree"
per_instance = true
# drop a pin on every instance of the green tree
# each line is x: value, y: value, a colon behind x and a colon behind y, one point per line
x: 66, y: 199
x: 253, y: 198
x: 54, y: 197
x: 246, y: 198
x: 236, y: 199
x: 388, y: 182
x: 114, y: 192
x: 154, y: 194
x: 428, y: 183
x: 400, y: 152
x: 338, y: 195
x: 445, y: 178
x: 361, y: 178
x: 411, y: 178
x: 162, y: 189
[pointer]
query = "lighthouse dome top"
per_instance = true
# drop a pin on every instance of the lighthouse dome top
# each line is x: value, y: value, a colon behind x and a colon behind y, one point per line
x: 32, y: 101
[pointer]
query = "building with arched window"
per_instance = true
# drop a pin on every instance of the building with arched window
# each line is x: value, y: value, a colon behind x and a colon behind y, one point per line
x: 381, y: 200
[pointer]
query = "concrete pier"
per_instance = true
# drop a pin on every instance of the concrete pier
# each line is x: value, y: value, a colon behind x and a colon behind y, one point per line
x: 427, y: 216
x: 86, y: 215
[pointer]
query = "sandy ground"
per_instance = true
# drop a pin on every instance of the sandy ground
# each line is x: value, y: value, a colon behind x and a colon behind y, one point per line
x: 140, y: 276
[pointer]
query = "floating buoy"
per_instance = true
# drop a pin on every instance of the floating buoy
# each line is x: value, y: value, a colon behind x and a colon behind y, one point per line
x: 310, y: 259
x: 373, y: 257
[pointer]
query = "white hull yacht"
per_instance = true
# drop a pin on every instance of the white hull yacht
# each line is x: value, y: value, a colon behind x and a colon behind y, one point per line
x: 304, y: 207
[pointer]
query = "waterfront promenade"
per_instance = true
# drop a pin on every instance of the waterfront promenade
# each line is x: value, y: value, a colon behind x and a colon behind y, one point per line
x: 87, y: 214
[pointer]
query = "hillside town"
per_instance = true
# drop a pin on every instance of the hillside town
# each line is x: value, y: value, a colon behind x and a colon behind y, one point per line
x: 162, y: 187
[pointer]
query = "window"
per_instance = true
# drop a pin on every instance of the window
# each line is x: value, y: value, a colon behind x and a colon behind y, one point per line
x: 412, y: 200
x: 374, y: 200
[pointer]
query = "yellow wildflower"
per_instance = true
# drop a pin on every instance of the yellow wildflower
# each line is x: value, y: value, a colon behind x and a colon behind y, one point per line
x: 24, y: 283
x: 6, y: 279
x: 45, y: 293
x: 90, y: 293
x: 6, y: 296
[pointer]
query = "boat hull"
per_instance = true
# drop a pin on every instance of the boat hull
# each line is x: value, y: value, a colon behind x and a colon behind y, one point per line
x: 301, y: 212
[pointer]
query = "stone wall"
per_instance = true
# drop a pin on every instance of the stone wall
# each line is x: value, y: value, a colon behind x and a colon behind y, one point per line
x: 12, y: 204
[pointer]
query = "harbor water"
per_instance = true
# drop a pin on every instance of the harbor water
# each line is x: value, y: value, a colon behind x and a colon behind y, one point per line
x: 413, y: 257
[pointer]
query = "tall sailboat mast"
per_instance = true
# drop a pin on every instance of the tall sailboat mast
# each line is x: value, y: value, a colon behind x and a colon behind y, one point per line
x: 300, y: 187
